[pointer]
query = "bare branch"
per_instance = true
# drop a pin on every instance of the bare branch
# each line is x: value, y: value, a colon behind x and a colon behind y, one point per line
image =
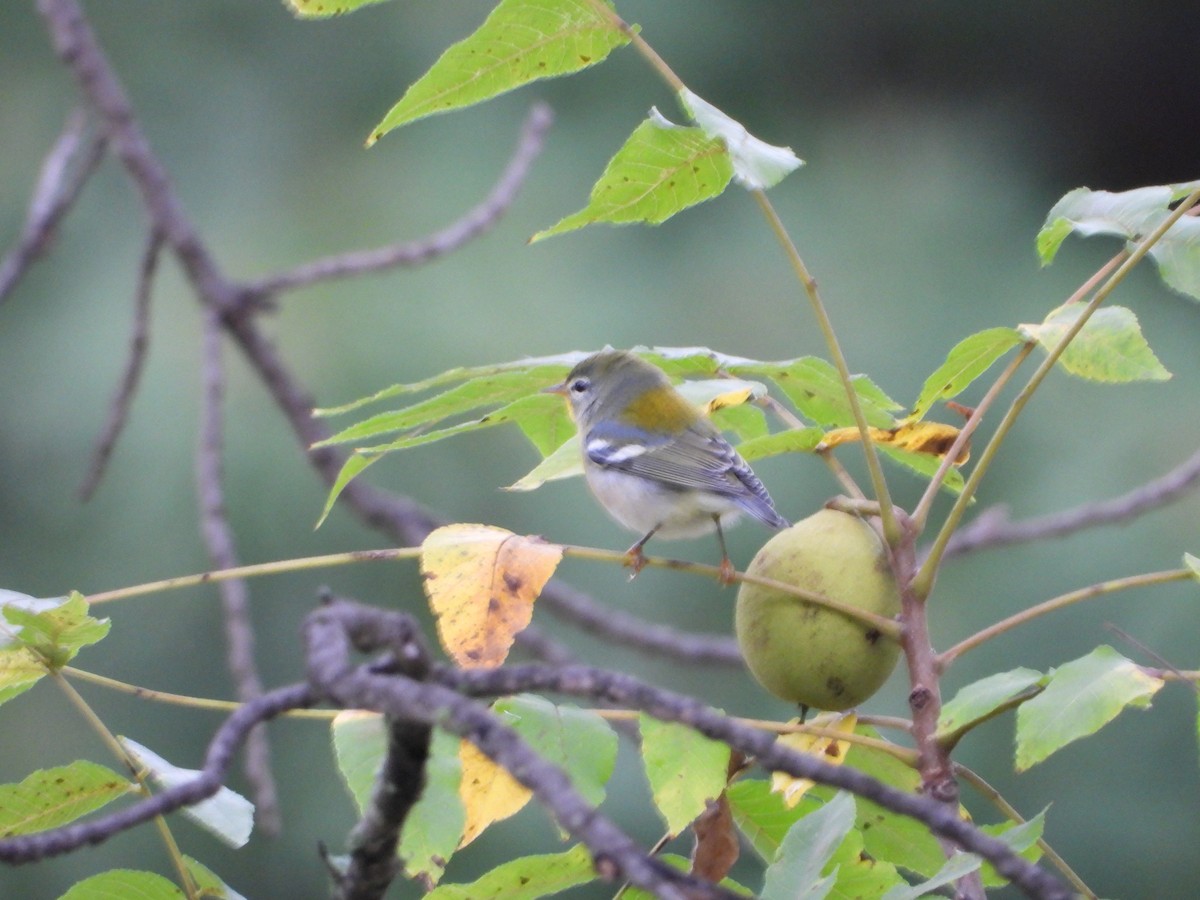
x: 65, y: 170
x: 993, y: 527
x: 629, y: 692
x: 477, y: 221
x: 392, y: 690
x: 398, y: 516
x: 235, y: 598
x: 139, y: 343
x: 227, y: 740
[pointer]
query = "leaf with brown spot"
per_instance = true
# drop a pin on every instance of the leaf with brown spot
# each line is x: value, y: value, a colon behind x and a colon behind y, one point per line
x: 928, y: 438
x: 481, y: 582
x: 828, y: 749
x: 488, y: 792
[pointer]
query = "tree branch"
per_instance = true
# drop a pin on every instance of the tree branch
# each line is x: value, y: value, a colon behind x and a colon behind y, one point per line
x: 628, y: 692
x: 994, y: 528
x: 389, y: 687
x: 235, y: 596
x: 227, y: 740
x: 139, y: 342
x: 66, y: 169
x: 475, y: 222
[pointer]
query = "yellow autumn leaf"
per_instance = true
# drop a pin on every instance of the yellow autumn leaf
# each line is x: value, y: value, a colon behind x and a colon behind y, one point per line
x: 829, y: 749
x: 489, y: 794
x: 930, y: 438
x: 735, y: 397
x: 481, y: 582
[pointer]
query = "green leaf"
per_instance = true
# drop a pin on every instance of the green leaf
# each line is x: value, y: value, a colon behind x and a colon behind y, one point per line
x: 813, y: 386
x: 757, y: 165
x: 794, y: 440
x: 1178, y: 257
x: 20, y: 669
x: 807, y: 847
x: 354, y: 465
x: 685, y: 769
x: 676, y: 861
x: 859, y: 876
x: 1021, y: 837
x: 435, y: 823
x: 1110, y: 346
x: 486, y: 390
x: 763, y: 816
x: 956, y: 867
x: 49, y: 798
x: 547, y: 369
x: 887, y: 835
x: 526, y: 878
x: 924, y: 465
x: 521, y: 41
x: 1131, y: 215
x: 577, y: 740
x: 210, y: 885
x: 565, y: 462
x: 226, y: 815
x: 983, y: 699
x: 123, y: 884
x: 662, y: 169
x: 323, y: 9
x: 969, y: 358
x: 1080, y: 697
x: 1192, y: 563
x: 56, y: 633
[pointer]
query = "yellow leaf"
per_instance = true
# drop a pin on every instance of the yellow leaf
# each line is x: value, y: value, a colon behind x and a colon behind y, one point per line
x: 481, y: 582
x: 488, y: 792
x: 829, y: 749
x: 931, y: 438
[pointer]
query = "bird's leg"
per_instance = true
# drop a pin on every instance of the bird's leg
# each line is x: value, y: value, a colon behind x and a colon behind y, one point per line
x: 634, y: 558
x: 727, y: 569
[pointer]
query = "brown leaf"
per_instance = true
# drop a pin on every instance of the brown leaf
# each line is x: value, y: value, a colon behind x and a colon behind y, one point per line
x: 482, y: 582
x: 717, y: 846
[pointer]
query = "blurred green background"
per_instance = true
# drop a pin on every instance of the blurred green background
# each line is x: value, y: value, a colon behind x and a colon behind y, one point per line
x: 937, y: 135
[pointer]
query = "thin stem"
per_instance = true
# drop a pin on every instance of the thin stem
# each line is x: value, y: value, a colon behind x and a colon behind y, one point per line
x: 925, y: 577
x: 889, y: 628
x: 639, y: 44
x: 114, y: 745
x: 891, y: 527
x: 1060, y: 602
x: 990, y: 793
x: 278, y: 567
x: 144, y: 693
x: 921, y: 513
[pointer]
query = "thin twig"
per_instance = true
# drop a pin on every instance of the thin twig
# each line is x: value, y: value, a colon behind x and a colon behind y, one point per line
x: 217, y: 760
x: 390, y: 687
x: 135, y: 361
x: 235, y: 596
x: 474, y: 223
x: 629, y: 692
x: 66, y: 169
x: 994, y: 528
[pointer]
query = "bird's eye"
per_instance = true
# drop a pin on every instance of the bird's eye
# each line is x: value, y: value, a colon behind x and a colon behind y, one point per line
x: 579, y: 385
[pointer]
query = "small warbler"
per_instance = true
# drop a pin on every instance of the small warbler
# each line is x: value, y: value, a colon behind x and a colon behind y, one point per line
x: 653, y: 460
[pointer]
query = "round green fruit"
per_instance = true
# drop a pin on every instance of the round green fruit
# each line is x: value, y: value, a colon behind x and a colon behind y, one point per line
x: 810, y: 654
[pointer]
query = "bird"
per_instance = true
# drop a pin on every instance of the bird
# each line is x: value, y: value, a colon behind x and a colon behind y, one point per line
x: 653, y: 460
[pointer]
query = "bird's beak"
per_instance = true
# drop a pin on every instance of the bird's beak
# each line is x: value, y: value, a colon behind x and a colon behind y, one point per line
x: 560, y: 389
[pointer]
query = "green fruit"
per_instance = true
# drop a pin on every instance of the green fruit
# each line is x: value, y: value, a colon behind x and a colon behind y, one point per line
x: 810, y: 654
